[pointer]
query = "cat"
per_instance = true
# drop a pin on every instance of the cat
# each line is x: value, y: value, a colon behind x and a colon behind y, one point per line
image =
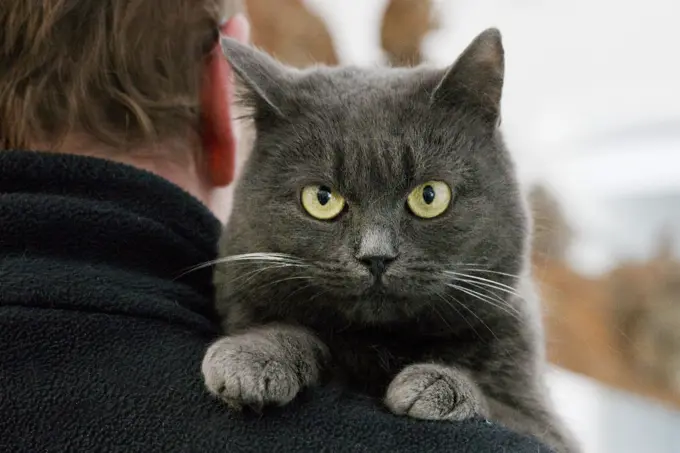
x: 379, y: 238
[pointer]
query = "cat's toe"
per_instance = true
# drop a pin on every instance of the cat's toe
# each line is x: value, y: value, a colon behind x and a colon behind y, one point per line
x: 432, y: 392
x: 243, y: 375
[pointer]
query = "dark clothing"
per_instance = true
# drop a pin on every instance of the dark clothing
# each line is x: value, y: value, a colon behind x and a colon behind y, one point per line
x: 101, y: 337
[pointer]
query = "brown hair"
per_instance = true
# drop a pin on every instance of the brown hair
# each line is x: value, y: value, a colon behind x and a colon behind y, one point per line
x: 124, y: 72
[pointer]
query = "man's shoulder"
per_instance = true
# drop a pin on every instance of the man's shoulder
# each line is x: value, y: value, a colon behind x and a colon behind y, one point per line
x: 118, y: 383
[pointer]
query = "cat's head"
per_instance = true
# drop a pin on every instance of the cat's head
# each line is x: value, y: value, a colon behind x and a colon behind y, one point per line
x: 376, y: 186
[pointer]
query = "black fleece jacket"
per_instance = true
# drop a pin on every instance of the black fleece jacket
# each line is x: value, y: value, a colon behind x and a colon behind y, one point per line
x: 101, y: 342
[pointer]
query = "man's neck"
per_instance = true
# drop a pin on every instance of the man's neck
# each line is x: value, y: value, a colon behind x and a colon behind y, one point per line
x: 177, y: 164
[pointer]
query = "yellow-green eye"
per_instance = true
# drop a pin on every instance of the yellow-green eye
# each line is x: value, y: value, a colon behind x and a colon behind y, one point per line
x: 430, y: 200
x: 321, y: 202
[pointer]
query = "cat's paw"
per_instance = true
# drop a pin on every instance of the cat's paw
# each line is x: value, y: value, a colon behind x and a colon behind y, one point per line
x: 247, y: 371
x: 433, y: 392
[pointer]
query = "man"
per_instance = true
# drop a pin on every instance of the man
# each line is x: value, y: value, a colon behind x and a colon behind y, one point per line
x: 115, y: 146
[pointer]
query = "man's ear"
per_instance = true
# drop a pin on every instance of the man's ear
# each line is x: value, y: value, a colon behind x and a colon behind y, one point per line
x: 261, y: 79
x: 475, y: 80
x: 218, y: 140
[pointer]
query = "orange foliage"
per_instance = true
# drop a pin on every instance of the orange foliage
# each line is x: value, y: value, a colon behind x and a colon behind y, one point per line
x: 287, y: 30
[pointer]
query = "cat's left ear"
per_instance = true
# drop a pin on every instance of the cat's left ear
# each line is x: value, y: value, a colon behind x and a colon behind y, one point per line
x: 475, y: 80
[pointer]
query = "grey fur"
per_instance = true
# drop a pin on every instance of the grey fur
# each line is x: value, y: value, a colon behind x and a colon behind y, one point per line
x: 455, y: 328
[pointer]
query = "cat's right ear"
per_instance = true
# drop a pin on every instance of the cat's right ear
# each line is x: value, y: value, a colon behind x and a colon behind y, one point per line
x: 260, y: 78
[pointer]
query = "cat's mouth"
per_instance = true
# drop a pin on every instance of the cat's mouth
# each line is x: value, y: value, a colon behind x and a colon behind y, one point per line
x: 381, y: 287
x: 392, y: 286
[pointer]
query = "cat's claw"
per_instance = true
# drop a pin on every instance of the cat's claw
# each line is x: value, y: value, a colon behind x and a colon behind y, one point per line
x: 433, y: 392
x: 245, y: 374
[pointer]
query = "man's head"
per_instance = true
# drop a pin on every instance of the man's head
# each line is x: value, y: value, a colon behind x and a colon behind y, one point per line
x: 136, y: 81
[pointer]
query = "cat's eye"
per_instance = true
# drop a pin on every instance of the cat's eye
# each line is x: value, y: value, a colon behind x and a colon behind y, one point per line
x: 321, y: 202
x: 429, y: 200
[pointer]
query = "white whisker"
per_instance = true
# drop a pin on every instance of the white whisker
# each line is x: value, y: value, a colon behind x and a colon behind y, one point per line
x: 248, y: 258
x: 488, y: 271
x: 483, y: 298
x: 443, y: 318
x: 276, y: 282
x: 473, y: 314
x: 486, y: 289
x: 318, y: 294
x: 492, y: 287
x: 486, y: 282
x: 302, y: 288
x: 450, y: 305
x: 501, y: 303
x: 252, y: 274
x: 487, y: 299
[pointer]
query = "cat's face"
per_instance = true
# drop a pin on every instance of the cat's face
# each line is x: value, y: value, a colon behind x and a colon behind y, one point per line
x: 380, y: 185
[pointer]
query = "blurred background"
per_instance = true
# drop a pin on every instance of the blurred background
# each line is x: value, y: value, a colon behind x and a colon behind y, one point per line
x: 591, y: 111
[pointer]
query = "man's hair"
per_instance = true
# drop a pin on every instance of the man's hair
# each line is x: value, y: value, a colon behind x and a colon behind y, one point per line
x: 123, y: 72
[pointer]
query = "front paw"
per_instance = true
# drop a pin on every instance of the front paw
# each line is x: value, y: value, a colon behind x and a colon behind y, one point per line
x: 433, y: 392
x: 250, y: 371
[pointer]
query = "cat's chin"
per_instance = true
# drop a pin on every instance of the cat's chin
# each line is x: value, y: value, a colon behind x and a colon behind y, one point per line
x: 376, y: 310
x: 380, y: 304
x: 377, y: 289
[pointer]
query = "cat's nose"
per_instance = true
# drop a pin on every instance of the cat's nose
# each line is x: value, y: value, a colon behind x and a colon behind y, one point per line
x: 377, y: 249
x: 377, y: 264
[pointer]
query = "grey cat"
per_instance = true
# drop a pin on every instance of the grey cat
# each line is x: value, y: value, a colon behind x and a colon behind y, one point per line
x: 379, y: 238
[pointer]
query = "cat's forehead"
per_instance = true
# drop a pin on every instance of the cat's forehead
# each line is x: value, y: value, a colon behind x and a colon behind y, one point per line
x: 382, y: 109
x: 367, y: 88
x: 371, y: 140
x: 364, y: 130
